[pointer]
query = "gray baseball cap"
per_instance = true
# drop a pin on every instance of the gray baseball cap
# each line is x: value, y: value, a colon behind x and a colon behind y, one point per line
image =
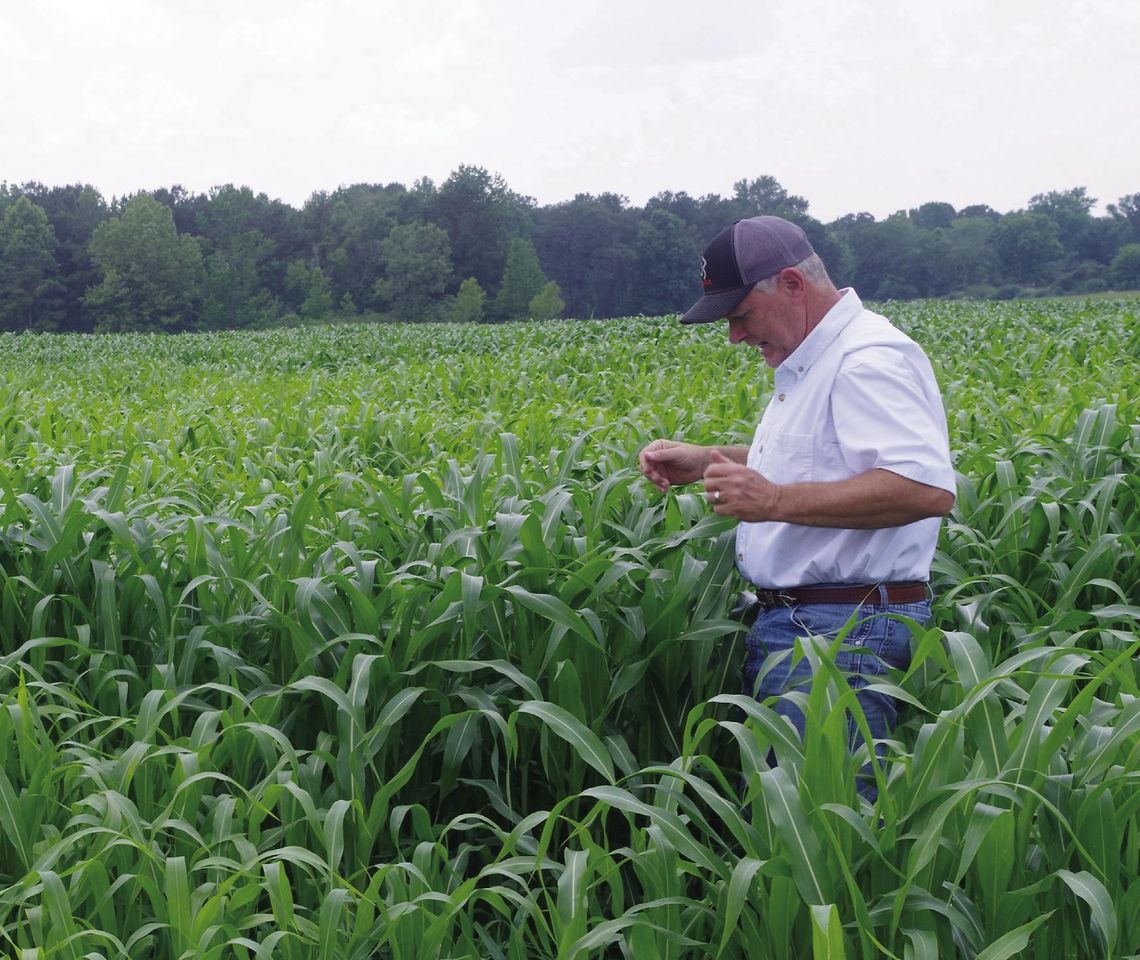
x: 740, y: 256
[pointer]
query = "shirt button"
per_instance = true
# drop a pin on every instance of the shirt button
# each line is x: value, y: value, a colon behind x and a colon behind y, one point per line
x: 857, y: 643
x: 800, y: 369
x: 781, y: 398
x: 740, y: 556
x: 760, y: 449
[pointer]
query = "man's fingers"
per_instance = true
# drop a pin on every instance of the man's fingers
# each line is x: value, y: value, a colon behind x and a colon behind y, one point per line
x: 650, y: 466
x: 652, y: 471
x: 718, y: 471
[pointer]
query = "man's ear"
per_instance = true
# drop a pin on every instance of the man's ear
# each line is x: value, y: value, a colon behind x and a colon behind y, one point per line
x: 791, y: 281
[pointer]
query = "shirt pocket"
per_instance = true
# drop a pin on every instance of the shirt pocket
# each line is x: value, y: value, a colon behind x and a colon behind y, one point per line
x: 828, y: 462
x: 789, y: 458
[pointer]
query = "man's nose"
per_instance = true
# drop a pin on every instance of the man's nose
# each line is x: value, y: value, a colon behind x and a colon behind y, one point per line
x: 736, y: 332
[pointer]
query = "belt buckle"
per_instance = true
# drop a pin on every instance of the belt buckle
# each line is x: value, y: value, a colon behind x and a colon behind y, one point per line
x: 774, y: 598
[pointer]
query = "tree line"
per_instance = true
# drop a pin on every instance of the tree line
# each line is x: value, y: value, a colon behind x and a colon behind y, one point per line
x: 472, y: 249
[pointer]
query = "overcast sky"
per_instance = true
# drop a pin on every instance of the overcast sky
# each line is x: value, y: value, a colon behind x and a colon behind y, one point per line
x: 856, y: 105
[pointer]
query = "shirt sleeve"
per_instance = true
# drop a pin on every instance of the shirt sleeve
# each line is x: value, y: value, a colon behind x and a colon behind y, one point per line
x: 888, y: 415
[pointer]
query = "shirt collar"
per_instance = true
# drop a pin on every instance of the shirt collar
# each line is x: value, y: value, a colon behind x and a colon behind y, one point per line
x: 846, y: 309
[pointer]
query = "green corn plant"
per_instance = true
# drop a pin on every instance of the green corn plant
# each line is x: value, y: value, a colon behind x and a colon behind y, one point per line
x: 356, y: 641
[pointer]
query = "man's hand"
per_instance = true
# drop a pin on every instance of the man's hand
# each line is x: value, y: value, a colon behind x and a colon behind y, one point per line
x: 736, y: 491
x: 669, y: 462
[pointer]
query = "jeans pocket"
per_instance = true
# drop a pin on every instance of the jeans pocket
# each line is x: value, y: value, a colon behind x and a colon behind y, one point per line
x: 892, y: 643
x: 829, y: 620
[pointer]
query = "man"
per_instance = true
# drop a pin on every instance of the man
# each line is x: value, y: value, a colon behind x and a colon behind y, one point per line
x: 841, y: 492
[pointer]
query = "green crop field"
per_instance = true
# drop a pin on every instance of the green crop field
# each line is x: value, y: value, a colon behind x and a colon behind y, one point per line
x: 355, y: 642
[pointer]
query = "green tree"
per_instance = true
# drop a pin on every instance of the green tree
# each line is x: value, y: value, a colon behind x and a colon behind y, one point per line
x: 981, y: 210
x: 319, y: 301
x: 235, y: 293
x: 152, y: 277
x: 522, y: 280
x: 184, y: 206
x: 587, y: 246
x: 417, y: 270
x: 884, y: 255
x: 31, y: 293
x: 74, y: 212
x: 480, y: 214
x: 1071, y: 210
x: 308, y: 291
x: 668, y: 263
x: 932, y: 215
x: 547, y: 303
x: 1127, y: 211
x: 705, y: 217
x: 1028, y: 246
x: 765, y: 196
x: 469, y: 302
x: 970, y: 257
x: 352, y: 224
x: 1125, y: 268
x: 924, y: 265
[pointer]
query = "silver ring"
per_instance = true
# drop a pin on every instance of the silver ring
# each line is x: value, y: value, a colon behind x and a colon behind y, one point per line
x: 716, y: 496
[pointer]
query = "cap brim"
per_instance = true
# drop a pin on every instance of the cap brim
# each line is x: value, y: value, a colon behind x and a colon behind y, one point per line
x: 714, y: 306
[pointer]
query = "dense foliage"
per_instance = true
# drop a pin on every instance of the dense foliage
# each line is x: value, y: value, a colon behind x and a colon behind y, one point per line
x: 369, y: 641
x: 233, y: 259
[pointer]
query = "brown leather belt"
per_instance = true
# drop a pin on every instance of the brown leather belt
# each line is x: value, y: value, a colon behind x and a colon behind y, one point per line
x: 906, y: 591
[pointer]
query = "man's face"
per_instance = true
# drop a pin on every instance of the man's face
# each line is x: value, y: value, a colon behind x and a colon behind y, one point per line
x: 774, y: 323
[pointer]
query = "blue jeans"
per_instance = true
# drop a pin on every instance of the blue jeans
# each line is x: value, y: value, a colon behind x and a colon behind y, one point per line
x: 873, y: 644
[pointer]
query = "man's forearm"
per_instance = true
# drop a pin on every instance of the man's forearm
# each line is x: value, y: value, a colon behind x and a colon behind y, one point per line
x: 872, y: 500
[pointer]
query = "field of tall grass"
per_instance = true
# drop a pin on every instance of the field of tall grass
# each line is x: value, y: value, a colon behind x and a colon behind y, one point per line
x: 359, y: 642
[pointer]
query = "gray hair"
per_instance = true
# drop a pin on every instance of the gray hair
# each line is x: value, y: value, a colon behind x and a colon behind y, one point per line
x: 812, y: 268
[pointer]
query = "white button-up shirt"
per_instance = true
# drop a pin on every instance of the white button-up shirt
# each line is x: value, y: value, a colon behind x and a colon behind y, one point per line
x: 856, y: 395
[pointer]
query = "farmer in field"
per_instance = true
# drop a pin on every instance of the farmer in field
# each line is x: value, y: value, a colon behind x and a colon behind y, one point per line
x: 841, y: 492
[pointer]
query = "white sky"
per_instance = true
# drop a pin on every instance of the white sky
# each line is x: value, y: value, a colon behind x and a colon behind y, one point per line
x: 855, y: 105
